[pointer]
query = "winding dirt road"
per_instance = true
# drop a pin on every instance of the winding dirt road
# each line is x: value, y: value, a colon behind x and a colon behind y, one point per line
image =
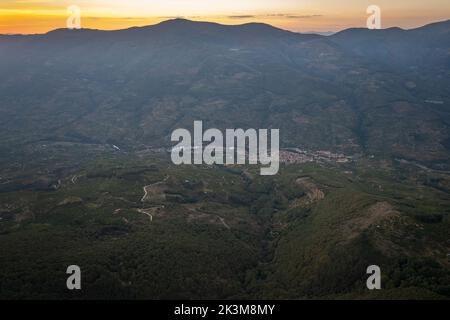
x: 151, y: 185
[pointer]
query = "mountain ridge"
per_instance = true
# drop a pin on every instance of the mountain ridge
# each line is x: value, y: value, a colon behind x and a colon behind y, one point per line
x: 356, y: 92
x: 188, y: 21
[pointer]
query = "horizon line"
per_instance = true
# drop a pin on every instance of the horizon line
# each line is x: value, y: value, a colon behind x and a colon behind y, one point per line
x: 323, y: 33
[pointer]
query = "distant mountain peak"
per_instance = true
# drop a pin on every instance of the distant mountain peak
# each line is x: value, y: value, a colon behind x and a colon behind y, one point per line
x: 177, y: 22
x: 180, y: 21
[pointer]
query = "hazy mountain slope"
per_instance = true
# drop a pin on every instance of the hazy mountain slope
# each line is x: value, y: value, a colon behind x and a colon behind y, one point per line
x: 425, y: 47
x: 133, y: 87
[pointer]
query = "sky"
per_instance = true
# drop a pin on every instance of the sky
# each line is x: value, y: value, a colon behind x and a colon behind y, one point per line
x: 39, y: 16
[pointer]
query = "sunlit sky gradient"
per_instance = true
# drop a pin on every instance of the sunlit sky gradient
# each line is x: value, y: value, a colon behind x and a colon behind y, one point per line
x: 38, y: 16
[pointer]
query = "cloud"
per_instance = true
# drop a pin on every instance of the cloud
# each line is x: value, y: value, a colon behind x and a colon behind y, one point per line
x: 293, y: 16
x: 172, y: 17
x: 241, y: 17
x: 273, y: 15
x: 303, y: 16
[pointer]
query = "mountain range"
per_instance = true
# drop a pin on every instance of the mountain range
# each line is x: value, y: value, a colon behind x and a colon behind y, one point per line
x: 85, y: 177
x: 359, y: 91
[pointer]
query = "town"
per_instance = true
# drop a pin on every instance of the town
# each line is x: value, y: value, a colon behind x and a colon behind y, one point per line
x: 296, y: 155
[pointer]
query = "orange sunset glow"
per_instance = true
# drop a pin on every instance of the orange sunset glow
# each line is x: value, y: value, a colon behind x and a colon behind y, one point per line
x: 39, y: 16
